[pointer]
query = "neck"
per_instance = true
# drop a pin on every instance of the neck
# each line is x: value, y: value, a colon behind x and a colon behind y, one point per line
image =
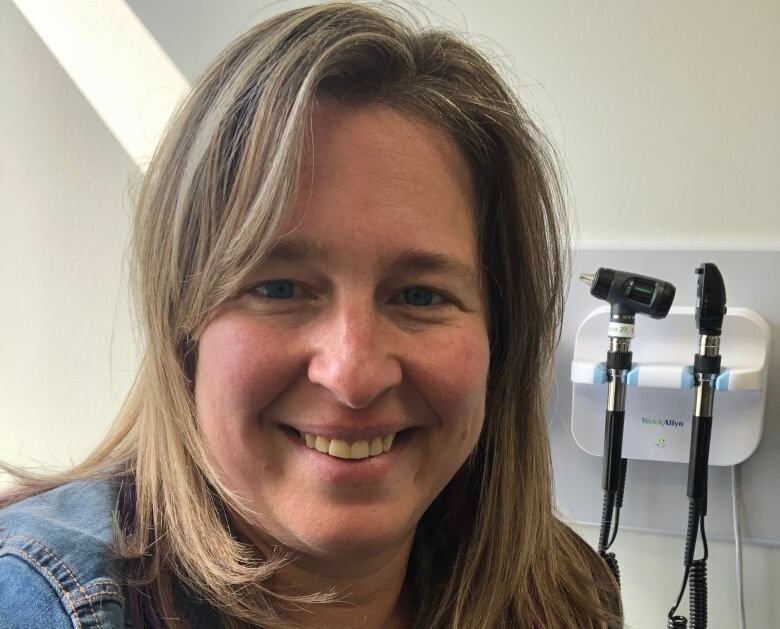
x: 365, y: 603
x: 371, y: 590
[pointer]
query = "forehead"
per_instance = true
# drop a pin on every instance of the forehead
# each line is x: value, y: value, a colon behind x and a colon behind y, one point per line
x: 386, y: 177
x: 374, y: 137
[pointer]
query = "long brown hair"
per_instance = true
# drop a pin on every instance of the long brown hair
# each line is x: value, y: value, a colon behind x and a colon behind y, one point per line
x: 208, y: 210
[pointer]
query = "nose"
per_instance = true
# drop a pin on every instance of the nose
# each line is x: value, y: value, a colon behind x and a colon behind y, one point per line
x: 352, y: 358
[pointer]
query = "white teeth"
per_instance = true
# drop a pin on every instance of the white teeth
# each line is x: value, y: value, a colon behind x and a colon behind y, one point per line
x: 343, y: 450
x: 387, y: 442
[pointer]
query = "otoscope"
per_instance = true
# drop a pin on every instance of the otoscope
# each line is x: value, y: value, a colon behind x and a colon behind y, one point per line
x: 710, y: 310
x: 627, y: 294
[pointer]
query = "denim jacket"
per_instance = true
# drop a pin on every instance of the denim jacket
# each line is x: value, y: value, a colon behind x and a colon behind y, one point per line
x: 57, y: 564
x: 59, y: 569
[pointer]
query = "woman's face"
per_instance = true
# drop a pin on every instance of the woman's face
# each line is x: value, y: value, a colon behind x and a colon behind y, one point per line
x: 366, y: 321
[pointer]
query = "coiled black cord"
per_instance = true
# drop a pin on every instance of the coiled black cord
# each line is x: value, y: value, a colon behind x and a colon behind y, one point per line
x: 698, y: 585
x: 619, y: 501
x: 696, y: 570
x: 698, y: 594
x: 606, y: 524
x: 677, y: 622
x: 613, y: 501
x: 606, y: 521
x: 612, y: 564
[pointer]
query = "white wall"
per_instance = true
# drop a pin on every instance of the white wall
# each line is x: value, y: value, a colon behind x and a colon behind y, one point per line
x: 665, y: 115
x: 66, y: 347
x: 651, y: 573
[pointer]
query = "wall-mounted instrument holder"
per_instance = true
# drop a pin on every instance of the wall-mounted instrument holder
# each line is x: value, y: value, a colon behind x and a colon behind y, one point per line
x: 659, y: 399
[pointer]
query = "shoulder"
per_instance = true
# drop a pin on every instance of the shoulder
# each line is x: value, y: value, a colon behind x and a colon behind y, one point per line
x: 57, y: 558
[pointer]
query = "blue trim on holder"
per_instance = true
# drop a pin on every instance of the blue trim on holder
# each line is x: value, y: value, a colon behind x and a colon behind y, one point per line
x: 721, y: 382
x: 633, y: 377
x: 600, y: 373
x: 686, y: 378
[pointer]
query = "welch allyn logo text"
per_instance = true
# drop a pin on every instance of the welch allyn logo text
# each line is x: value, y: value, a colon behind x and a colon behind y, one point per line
x: 673, y: 423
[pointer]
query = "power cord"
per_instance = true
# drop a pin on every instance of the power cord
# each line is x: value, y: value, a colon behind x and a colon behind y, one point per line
x: 735, y: 487
x: 610, y: 518
x: 619, y: 500
x: 695, y: 572
x: 604, y: 534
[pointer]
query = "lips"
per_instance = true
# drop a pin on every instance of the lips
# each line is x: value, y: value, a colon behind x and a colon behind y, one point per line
x: 334, y: 471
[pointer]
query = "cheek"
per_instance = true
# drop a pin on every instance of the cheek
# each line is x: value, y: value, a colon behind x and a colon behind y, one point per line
x: 241, y: 368
x: 454, y: 374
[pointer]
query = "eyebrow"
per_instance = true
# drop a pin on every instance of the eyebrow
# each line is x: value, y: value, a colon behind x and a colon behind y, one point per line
x: 298, y: 249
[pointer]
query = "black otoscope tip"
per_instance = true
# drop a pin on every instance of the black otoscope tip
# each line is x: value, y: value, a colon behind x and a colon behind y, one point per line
x: 710, y: 299
x: 629, y: 291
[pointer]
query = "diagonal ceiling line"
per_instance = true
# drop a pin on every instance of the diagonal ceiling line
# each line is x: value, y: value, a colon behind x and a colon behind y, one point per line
x: 116, y: 63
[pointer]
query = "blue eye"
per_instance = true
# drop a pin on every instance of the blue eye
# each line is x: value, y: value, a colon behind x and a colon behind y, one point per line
x: 283, y: 290
x: 276, y: 289
x: 421, y: 296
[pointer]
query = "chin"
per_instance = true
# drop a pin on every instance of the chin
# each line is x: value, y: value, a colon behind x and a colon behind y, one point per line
x: 358, y: 537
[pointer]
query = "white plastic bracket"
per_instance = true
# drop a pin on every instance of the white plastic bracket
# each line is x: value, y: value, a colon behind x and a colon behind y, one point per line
x: 660, y: 397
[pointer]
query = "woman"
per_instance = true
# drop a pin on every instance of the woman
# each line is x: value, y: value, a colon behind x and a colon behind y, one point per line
x: 350, y: 273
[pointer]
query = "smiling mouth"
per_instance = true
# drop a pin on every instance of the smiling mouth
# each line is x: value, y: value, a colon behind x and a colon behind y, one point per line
x: 340, y: 449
